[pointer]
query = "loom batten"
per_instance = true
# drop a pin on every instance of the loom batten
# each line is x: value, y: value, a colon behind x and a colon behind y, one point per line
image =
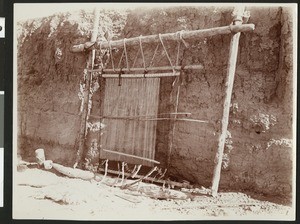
x: 133, y: 156
x: 148, y: 75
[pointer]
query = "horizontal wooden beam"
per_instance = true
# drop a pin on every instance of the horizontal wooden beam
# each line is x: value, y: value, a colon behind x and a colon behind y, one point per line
x: 132, y: 156
x: 162, y: 68
x: 166, y: 36
x: 147, y: 75
x: 143, y: 118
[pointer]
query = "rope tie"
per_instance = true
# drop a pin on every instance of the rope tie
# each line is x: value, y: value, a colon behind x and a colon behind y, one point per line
x: 181, y: 38
x: 126, y: 53
x: 141, y: 47
x: 145, y: 72
x: 162, y: 43
x: 111, y: 55
x: 135, y: 58
x: 151, y: 62
x: 178, y: 51
x: 120, y: 77
x: 120, y: 61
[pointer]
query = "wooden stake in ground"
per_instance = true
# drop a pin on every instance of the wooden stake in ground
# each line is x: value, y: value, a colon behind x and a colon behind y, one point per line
x: 86, y: 94
x: 234, y: 44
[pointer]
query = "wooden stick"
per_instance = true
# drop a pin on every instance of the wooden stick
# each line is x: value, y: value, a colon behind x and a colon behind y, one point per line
x: 173, y: 183
x: 122, y: 180
x: 233, y: 51
x: 149, y: 119
x: 168, y: 36
x: 137, y: 170
x: 142, y: 178
x: 173, y: 125
x: 86, y: 93
x: 105, y: 170
x: 175, y: 119
x: 147, y: 75
x: 130, y: 199
x: 162, y: 68
x: 132, y: 156
x: 213, y: 205
x: 140, y: 116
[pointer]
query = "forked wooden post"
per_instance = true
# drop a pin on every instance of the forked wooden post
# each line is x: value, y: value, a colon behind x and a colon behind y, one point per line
x: 233, y: 51
x: 86, y: 93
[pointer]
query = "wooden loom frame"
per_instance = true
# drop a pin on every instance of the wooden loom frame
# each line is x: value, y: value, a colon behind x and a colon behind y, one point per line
x: 234, y: 29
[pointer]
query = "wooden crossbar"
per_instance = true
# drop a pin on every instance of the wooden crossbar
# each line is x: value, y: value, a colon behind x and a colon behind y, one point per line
x: 167, y: 36
x: 162, y: 68
x: 132, y: 156
x: 147, y: 75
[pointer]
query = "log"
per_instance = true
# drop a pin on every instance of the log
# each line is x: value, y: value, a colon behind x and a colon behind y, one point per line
x: 233, y: 51
x: 73, y: 173
x: 169, y: 36
x: 132, y: 156
x: 86, y: 93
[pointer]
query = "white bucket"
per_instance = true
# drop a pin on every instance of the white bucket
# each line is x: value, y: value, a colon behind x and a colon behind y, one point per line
x: 40, y: 156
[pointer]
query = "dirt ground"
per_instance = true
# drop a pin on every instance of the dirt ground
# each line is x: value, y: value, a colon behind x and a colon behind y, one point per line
x: 59, y: 197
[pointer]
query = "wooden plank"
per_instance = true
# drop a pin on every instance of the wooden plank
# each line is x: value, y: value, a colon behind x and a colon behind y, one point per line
x: 86, y: 93
x: 167, y: 36
x: 233, y: 51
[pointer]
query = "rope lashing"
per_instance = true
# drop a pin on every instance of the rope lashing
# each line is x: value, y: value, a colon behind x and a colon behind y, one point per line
x: 135, y: 58
x: 141, y: 47
x: 120, y: 77
x: 111, y: 56
x: 126, y: 53
x: 120, y: 61
x: 178, y: 51
x: 179, y: 33
x: 151, y: 62
x: 162, y: 43
x: 145, y: 72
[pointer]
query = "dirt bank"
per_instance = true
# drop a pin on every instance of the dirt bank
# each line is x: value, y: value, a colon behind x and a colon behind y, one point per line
x: 258, y: 154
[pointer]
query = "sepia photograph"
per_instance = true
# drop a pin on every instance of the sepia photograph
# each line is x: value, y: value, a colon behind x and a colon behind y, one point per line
x: 165, y: 111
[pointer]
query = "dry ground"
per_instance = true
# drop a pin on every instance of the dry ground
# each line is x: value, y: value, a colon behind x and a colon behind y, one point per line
x: 44, y: 195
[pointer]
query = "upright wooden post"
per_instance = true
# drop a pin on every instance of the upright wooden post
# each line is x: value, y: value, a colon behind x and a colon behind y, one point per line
x: 86, y: 94
x: 237, y: 20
